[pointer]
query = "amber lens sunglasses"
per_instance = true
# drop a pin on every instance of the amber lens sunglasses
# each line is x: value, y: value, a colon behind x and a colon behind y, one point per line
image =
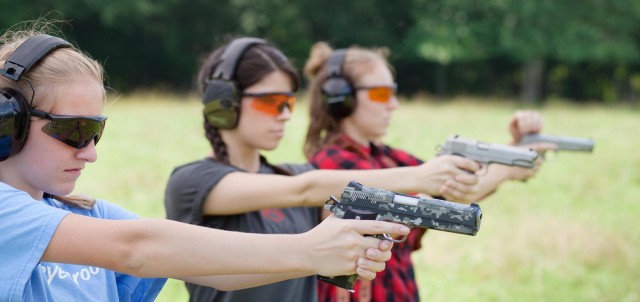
x: 74, y: 130
x: 272, y: 103
x: 380, y: 94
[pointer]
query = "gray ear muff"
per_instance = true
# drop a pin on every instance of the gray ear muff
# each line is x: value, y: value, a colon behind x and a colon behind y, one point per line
x: 338, y: 93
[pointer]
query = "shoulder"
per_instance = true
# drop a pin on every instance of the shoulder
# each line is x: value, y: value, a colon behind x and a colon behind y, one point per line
x: 297, y: 168
x: 108, y: 210
x: 199, y: 169
x: 335, y: 157
x: 17, y: 204
x: 403, y: 158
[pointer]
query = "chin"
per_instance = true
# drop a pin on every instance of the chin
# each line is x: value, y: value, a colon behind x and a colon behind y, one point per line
x: 267, y: 147
x: 62, y: 190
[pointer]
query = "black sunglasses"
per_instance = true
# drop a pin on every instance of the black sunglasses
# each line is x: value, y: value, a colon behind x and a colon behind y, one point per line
x: 74, y: 130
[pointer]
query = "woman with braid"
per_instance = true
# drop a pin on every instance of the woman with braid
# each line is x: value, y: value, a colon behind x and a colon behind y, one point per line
x: 352, y: 101
x: 248, y: 89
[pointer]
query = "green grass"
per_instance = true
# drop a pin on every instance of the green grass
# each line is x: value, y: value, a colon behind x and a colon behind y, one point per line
x: 569, y: 234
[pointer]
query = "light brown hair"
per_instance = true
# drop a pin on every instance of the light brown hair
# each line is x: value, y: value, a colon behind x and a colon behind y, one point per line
x: 325, y: 128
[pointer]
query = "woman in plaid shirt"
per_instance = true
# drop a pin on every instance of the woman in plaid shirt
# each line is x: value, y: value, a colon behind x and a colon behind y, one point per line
x: 352, y: 101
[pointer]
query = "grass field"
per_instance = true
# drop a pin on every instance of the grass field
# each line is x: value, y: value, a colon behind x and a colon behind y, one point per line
x: 572, y: 233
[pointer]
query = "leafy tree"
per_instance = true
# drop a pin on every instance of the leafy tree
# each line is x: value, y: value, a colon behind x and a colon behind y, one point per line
x: 528, y: 32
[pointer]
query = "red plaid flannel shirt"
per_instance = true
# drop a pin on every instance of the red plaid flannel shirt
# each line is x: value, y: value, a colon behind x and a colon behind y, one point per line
x: 397, y: 282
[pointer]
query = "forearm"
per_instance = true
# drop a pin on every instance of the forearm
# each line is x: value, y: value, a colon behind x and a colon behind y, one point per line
x: 489, y: 182
x: 163, y: 248
x: 319, y: 184
x: 236, y: 282
x: 203, y: 251
x: 310, y: 189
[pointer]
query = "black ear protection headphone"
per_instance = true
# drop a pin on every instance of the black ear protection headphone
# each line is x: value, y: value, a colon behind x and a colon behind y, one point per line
x: 15, y: 113
x: 222, y: 95
x: 338, y: 93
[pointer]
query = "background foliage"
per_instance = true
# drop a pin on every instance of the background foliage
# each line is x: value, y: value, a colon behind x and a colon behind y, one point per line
x: 580, y: 50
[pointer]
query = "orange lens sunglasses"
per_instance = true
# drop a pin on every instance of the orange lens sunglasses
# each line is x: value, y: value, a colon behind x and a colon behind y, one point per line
x: 380, y: 94
x: 272, y: 103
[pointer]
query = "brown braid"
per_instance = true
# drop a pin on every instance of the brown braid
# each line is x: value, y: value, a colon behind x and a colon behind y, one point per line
x: 76, y: 200
x: 218, y: 145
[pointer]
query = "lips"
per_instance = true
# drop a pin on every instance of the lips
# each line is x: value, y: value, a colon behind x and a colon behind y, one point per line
x: 74, y: 172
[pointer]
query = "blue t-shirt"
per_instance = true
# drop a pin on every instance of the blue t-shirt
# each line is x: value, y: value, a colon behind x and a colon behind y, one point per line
x: 26, y: 227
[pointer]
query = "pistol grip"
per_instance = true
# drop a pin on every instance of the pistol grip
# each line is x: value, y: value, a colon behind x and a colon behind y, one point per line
x: 346, y: 282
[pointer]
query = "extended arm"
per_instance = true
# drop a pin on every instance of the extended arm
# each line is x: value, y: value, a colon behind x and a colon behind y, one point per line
x: 314, y: 187
x: 163, y: 248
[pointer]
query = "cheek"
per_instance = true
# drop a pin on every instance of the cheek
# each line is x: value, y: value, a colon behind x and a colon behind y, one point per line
x: 253, y: 125
x: 40, y: 150
x: 369, y: 113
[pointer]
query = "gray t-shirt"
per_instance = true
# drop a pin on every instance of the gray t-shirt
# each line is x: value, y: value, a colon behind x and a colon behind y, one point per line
x: 186, y: 191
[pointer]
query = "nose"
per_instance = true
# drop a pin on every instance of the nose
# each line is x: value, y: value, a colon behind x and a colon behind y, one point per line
x: 393, y: 103
x: 88, y: 153
x: 285, y: 114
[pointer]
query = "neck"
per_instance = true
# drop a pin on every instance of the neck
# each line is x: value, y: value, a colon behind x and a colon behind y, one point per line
x: 348, y: 128
x: 11, y: 178
x: 247, y: 160
x: 242, y: 155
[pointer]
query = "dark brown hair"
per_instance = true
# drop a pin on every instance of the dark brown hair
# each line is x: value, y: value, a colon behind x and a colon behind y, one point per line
x: 257, y: 62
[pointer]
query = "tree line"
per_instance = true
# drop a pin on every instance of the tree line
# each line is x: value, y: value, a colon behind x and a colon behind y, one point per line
x: 586, y: 50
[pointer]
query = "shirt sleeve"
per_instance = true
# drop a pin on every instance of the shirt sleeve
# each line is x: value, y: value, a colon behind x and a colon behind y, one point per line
x: 188, y: 188
x: 130, y: 288
x: 401, y: 157
x: 27, y: 226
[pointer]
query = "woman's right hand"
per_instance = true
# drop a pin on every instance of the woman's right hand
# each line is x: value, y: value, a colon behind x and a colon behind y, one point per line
x: 338, y: 247
x: 455, y: 173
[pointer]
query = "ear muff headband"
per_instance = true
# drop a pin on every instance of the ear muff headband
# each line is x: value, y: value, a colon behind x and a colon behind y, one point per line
x: 337, y: 91
x: 15, y: 113
x: 221, y: 95
x: 30, y: 52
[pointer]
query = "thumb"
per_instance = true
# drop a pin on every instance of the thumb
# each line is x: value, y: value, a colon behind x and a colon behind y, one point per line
x: 466, y: 164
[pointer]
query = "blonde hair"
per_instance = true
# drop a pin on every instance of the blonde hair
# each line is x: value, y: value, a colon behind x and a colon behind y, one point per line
x: 44, y: 82
x: 324, y: 128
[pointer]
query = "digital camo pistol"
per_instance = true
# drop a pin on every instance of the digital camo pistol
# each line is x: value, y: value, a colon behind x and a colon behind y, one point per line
x: 361, y: 202
x: 488, y: 153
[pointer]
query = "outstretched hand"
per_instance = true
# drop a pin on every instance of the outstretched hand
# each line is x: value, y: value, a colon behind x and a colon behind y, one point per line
x: 338, y: 246
x: 524, y: 122
x: 454, y: 172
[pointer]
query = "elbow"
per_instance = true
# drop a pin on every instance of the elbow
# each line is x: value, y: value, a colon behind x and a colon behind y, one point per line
x: 303, y: 194
x: 132, y: 263
x: 130, y: 257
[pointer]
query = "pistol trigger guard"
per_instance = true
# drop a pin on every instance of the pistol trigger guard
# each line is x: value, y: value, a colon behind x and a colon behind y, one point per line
x: 331, y: 201
x: 484, y: 168
x: 330, y: 204
x: 389, y: 238
x: 438, y: 148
